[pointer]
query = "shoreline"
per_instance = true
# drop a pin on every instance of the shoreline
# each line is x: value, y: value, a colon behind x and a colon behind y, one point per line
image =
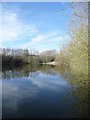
x: 50, y: 63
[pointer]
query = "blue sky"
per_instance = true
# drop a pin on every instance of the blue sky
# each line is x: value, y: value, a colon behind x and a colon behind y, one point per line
x: 34, y: 25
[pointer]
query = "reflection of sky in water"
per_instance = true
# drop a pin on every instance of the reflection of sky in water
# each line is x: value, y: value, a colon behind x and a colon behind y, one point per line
x: 37, y: 91
x: 48, y: 81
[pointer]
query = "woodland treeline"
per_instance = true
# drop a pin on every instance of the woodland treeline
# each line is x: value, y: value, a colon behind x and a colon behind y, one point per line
x: 25, y: 56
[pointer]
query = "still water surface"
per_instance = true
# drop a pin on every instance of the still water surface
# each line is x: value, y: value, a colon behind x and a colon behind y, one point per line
x: 38, y: 92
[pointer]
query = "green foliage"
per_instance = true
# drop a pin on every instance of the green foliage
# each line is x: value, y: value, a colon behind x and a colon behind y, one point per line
x: 74, y: 55
x: 23, y: 56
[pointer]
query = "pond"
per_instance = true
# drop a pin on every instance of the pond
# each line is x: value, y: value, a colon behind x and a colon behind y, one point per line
x: 40, y: 92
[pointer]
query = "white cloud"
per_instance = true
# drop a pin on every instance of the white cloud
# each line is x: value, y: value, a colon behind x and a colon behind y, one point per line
x: 46, y: 39
x: 14, y: 29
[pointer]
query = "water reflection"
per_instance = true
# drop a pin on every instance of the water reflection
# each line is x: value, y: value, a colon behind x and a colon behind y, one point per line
x: 39, y: 91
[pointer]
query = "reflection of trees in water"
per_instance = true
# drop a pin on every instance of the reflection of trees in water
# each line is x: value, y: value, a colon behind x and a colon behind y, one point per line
x: 33, y: 74
x: 28, y: 71
x: 79, y: 91
x: 12, y: 74
x: 79, y: 102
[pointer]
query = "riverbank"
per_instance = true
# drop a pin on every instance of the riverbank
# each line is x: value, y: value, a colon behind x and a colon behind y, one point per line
x: 51, y: 63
